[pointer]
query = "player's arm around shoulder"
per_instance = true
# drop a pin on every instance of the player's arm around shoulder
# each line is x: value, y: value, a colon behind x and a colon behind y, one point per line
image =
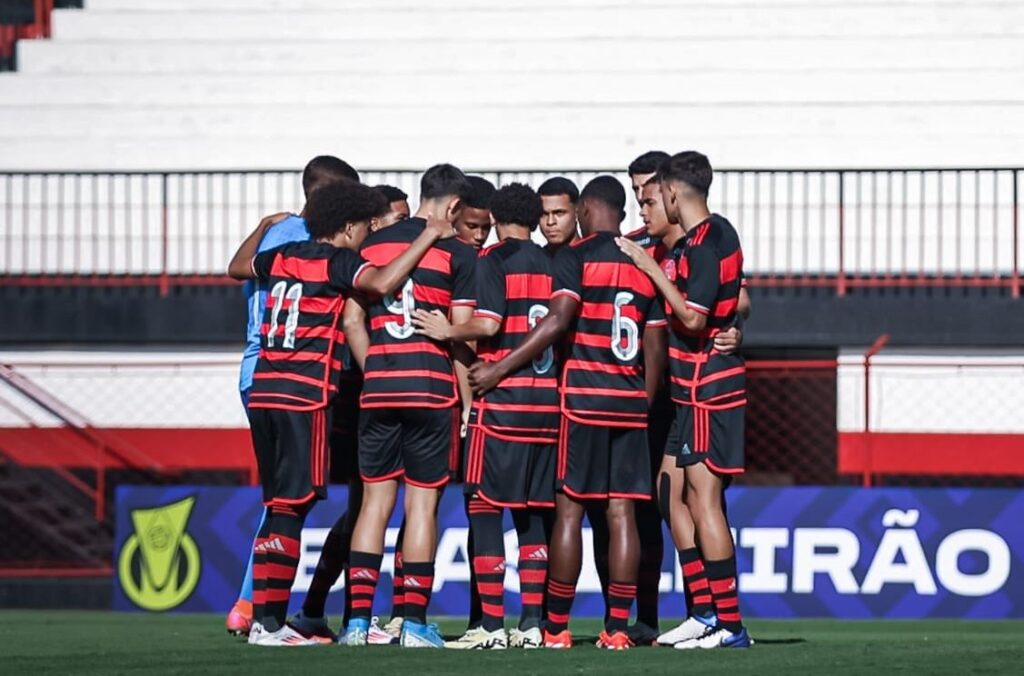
x: 383, y: 281
x: 241, y: 265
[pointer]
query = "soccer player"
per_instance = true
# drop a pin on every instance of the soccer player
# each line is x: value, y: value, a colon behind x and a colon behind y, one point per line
x: 514, y: 427
x: 473, y: 224
x: 558, y: 220
x: 398, y: 206
x: 297, y: 371
x: 410, y: 415
x: 648, y: 517
x: 709, y: 389
x: 608, y: 312
x: 319, y: 171
x: 675, y: 512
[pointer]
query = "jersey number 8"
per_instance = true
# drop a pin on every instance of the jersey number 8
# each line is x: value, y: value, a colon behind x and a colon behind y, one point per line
x: 546, y: 359
x: 625, y: 332
x: 280, y: 292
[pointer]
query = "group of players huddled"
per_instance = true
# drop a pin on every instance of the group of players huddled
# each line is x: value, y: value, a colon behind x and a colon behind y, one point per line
x: 597, y: 376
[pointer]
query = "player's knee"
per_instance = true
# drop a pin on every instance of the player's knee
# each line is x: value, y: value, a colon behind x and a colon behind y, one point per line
x: 619, y: 513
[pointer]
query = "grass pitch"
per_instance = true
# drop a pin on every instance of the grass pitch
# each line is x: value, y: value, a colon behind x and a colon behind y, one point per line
x: 65, y: 642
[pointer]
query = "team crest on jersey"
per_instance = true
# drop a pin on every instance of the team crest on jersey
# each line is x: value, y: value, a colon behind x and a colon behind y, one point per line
x: 668, y: 266
x: 159, y: 563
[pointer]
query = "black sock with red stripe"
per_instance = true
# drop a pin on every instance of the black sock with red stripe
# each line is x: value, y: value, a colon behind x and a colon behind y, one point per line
x: 419, y: 581
x: 398, y: 588
x: 698, y: 591
x: 363, y: 573
x: 259, y: 572
x: 560, y: 598
x: 488, y: 562
x: 722, y: 578
x: 328, y: 568
x: 282, y: 560
x: 620, y: 601
x: 533, y: 565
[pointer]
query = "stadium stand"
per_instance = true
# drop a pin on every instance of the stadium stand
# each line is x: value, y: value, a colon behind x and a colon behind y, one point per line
x: 197, y: 84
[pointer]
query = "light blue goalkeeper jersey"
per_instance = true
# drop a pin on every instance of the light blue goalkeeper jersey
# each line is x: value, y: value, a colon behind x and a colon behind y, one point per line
x: 291, y: 229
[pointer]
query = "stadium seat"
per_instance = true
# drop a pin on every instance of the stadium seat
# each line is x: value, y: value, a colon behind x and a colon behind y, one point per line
x: 190, y: 84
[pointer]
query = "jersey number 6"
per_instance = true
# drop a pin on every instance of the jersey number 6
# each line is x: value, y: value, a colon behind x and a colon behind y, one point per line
x: 625, y: 332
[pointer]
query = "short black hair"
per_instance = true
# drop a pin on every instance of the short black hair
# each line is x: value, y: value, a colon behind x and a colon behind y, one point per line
x: 391, y: 193
x: 517, y: 204
x: 443, y: 180
x: 480, y: 192
x: 325, y: 168
x: 559, y: 185
x: 332, y: 205
x: 648, y: 163
x: 690, y: 167
x: 608, y: 190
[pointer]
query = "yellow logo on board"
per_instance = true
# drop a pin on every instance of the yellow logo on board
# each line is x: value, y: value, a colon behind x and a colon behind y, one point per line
x: 159, y: 563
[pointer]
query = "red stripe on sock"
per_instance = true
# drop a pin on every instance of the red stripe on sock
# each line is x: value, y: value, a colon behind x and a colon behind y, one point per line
x: 723, y: 586
x: 415, y: 598
x: 693, y: 568
x: 274, y: 595
x: 493, y: 609
x: 619, y: 613
x: 491, y: 588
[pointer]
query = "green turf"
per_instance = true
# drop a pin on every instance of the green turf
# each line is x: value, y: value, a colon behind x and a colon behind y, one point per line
x: 40, y: 642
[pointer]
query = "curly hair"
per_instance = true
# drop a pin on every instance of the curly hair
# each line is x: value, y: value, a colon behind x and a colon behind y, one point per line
x: 332, y: 205
x: 518, y: 204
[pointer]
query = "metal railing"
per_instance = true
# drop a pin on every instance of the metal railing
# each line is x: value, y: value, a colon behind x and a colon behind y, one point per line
x: 838, y: 228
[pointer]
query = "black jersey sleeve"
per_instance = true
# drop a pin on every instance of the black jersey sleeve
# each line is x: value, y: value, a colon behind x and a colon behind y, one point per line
x: 464, y: 276
x: 490, y: 288
x: 702, y: 277
x: 344, y: 269
x: 263, y: 262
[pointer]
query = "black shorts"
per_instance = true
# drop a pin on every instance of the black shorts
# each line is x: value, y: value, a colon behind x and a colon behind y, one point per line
x: 598, y: 462
x: 344, y: 440
x: 513, y: 474
x: 420, y: 444
x: 291, y: 453
x: 714, y: 437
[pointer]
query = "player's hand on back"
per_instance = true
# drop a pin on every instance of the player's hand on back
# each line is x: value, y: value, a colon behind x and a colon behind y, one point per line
x: 729, y: 340
x: 433, y: 324
x: 484, y: 377
x: 274, y: 219
x: 638, y: 255
x: 442, y: 227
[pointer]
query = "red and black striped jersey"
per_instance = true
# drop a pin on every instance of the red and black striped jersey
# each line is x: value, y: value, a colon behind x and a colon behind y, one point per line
x: 301, y: 342
x: 404, y: 369
x: 654, y: 247
x: 603, y: 375
x: 707, y: 267
x: 513, y: 287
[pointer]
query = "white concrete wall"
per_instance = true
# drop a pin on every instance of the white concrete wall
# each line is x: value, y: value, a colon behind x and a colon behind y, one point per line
x: 933, y: 391
x: 176, y: 84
